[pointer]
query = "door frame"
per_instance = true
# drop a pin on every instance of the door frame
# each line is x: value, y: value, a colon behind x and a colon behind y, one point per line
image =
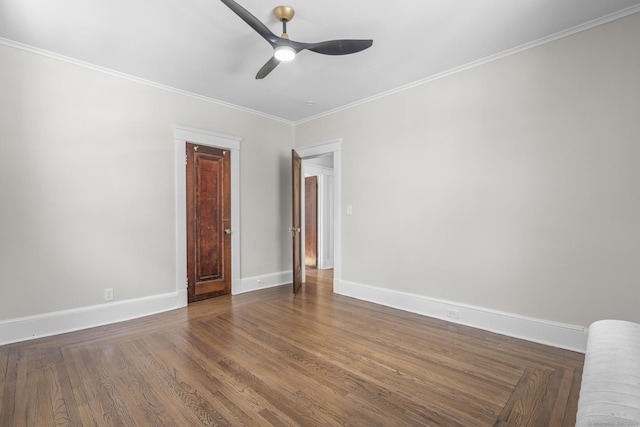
x: 182, y: 134
x: 314, y: 150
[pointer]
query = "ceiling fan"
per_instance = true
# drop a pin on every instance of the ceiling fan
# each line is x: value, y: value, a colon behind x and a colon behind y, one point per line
x: 285, y: 49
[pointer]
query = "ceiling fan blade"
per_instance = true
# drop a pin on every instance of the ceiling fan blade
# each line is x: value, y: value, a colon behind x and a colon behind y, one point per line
x: 253, y: 22
x: 339, y: 47
x: 267, y: 68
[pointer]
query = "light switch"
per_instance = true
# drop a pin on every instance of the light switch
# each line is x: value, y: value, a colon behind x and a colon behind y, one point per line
x: 349, y: 210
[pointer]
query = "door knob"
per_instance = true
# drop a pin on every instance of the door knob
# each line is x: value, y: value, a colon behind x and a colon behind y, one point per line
x: 227, y: 231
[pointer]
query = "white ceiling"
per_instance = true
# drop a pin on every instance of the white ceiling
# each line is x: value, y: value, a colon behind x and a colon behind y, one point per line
x: 202, y: 47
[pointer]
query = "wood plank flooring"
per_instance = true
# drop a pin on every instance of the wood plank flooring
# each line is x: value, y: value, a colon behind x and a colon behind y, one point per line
x: 272, y: 358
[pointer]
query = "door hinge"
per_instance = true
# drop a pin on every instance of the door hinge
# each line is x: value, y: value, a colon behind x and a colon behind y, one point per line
x: 186, y: 159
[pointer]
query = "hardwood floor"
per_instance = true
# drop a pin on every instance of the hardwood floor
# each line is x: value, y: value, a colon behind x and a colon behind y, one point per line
x: 271, y: 358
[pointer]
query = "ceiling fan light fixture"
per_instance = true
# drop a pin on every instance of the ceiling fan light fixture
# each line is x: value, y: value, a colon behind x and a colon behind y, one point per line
x: 284, y: 53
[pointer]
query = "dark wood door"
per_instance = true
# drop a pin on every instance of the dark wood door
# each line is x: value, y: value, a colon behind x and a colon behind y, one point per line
x: 296, y: 183
x: 208, y: 222
x: 311, y: 221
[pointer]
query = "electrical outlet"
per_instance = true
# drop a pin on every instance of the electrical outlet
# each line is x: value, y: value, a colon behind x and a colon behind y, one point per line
x: 453, y: 314
x: 108, y: 294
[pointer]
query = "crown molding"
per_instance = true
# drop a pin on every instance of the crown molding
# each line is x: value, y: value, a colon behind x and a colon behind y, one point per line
x: 135, y: 79
x: 473, y: 64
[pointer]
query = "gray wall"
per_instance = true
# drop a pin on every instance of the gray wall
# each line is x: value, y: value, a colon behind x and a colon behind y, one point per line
x: 512, y: 186
x: 87, y: 185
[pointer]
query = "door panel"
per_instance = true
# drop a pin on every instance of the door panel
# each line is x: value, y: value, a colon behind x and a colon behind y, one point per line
x: 311, y: 221
x: 296, y: 181
x: 208, y: 222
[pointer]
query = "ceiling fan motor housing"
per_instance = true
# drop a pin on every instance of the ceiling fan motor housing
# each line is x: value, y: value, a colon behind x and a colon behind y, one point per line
x: 284, y: 13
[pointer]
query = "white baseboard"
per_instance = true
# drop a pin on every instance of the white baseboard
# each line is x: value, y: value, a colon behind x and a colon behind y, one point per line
x: 59, y: 322
x: 555, y: 334
x: 325, y: 264
x: 264, y: 281
x: 183, y: 298
x: 561, y: 335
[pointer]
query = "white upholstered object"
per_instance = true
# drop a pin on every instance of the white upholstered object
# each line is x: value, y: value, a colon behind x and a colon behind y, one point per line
x: 610, y: 390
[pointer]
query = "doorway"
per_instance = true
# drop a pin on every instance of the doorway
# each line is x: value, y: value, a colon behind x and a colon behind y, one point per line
x: 328, y: 154
x: 318, y: 212
x: 182, y: 134
x: 311, y: 221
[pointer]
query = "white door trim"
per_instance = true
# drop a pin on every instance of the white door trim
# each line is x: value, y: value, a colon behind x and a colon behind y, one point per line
x: 331, y: 147
x: 182, y: 134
